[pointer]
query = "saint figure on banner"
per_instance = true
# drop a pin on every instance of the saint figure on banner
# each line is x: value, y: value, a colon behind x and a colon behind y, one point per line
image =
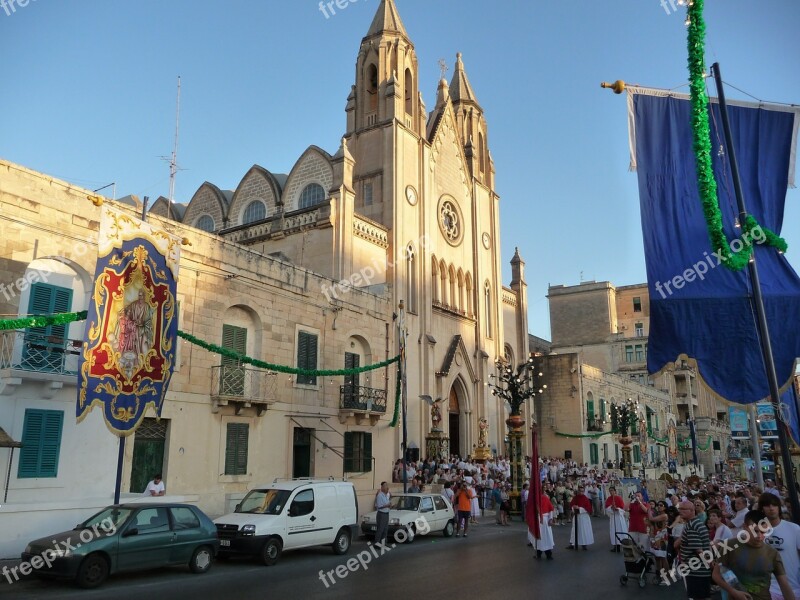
x: 133, y: 335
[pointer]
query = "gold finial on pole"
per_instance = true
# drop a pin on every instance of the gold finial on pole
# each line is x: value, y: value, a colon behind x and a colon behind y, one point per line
x: 186, y: 242
x: 96, y: 200
x: 617, y: 87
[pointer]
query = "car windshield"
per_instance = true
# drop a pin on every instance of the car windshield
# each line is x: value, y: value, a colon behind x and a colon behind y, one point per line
x: 267, y: 502
x: 405, y: 503
x: 109, y: 519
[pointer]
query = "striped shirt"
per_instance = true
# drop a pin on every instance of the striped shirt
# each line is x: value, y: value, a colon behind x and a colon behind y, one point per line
x: 694, y: 540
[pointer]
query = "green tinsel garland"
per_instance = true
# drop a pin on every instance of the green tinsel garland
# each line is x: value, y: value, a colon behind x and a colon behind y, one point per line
x: 282, y: 368
x: 584, y: 435
x: 42, y: 320
x: 63, y: 318
x: 396, y: 415
x: 706, y: 183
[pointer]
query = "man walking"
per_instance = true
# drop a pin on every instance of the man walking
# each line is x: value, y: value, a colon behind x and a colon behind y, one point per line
x: 581, y: 534
x: 615, y: 508
x: 382, y: 502
x: 694, y: 545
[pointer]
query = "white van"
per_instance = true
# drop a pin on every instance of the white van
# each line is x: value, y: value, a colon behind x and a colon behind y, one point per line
x: 290, y: 514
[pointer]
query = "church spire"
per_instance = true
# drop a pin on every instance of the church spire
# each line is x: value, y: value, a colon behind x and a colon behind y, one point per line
x: 460, y: 89
x: 386, y: 19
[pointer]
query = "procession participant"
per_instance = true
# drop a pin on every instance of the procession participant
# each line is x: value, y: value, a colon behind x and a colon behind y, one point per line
x: 639, y: 511
x: 581, y: 532
x: 615, y: 509
x: 544, y: 543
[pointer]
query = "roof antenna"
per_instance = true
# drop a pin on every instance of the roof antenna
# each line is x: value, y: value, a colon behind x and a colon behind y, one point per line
x: 173, y: 160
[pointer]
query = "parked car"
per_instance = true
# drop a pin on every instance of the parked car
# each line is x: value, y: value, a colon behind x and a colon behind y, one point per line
x: 127, y: 537
x: 291, y: 514
x: 408, y: 511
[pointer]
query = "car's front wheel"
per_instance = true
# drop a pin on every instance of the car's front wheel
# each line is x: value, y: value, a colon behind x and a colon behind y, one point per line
x: 92, y: 572
x: 271, y: 551
x: 449, y: 529
x: 201, y: 559
x: 342, y: 542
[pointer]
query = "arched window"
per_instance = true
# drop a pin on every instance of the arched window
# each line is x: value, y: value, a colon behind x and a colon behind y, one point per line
x: 206, y: 223
x: 435, y: 280
x: 487, y: 297
x: 443, y: 276
x: 372, y: 88
x: 408, y: 91
x: 481, y: 153
x: 461, y: 306
x: 453, y: 295
x: 411, y: 279
x: 469, y: 295
x: 312, y: 194
x: 255, y: 211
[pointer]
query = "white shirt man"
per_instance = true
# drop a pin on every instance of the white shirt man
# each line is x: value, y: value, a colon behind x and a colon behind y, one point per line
x: 785, y: 538
x: 155, y: 487
x: 737, y: 521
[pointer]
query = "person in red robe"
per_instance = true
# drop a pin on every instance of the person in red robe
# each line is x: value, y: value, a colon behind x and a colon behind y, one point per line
x: 615, y: 509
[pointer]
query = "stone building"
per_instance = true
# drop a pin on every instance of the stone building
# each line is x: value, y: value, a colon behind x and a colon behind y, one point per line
x: 575, y: 411
x: 307, y: 269
x: 607, y: 326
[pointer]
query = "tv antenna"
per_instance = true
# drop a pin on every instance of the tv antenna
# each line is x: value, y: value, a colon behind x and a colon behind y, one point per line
x: 173, y: 159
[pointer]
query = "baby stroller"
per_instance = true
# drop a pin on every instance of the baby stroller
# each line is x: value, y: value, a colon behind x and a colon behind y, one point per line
x: 638, y: 562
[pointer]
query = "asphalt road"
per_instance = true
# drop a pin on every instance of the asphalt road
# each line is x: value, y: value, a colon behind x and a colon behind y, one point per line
x: 492, y: 562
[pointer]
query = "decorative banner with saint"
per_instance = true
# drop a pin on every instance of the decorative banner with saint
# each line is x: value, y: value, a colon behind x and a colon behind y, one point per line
x: 131, y: 331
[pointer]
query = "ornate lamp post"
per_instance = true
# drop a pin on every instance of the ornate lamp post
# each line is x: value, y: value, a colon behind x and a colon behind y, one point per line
x: 515, y: 386
x: 622, y: 417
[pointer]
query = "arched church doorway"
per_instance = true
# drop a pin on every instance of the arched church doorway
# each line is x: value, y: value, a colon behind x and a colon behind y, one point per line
x: 454, y: 422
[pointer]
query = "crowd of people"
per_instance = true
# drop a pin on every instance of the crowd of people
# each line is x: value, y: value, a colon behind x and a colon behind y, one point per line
x: 722, y: 533
x: 718, y: 533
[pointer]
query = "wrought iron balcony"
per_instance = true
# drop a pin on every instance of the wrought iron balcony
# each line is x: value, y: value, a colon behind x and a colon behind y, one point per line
x: 243, y: 387
x: 595, y: 424
x: 360, y: 401
x: 39, y: 353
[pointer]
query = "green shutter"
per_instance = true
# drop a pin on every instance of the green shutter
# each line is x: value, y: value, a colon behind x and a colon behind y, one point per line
x: 233, y: 338
x: 307, y: 356
x: 41, y: 443
x: 637, y: 456
x: 366, y: 464
x: 236, y: 449
x: 593, y: 454
x: 348, y: 452
x: 590, y: 409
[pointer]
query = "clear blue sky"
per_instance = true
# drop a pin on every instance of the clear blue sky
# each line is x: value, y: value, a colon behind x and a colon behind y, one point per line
x: 88, y: 95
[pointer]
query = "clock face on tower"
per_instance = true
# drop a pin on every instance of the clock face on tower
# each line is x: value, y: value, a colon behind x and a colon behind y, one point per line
x: 411, y: 195
x: 487, y: 240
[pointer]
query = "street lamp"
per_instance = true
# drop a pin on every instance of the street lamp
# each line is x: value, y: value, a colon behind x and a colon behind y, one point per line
x: 622, y: 418
x: 515, y: 386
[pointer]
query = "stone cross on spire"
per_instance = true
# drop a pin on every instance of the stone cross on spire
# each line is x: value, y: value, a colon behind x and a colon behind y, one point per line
x: 443, y: 67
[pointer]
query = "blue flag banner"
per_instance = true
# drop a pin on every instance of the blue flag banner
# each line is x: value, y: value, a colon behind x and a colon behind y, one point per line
x: 699, y: 307
x: 789, y: 412
x: 740, y: 422
x: 131, y: 329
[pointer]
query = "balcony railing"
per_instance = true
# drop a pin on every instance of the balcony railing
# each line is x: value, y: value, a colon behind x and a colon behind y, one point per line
x: 357, y: 397
x: 242, y: 385
x: 595, y: 425
x: 36, y: 352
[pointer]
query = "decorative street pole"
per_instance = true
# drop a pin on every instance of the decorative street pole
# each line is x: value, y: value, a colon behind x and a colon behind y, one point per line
x: 515, y: 386
x: 622, y: 417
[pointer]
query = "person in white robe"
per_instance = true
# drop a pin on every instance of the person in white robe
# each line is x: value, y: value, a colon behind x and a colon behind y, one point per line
x: 615, y: 509
x: 544, y: 543
x: 581, y: 509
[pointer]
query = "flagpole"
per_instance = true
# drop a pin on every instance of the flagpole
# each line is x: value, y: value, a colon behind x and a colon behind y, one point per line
x: 758, y: 301
x: 120, y: 457
x: 401, y: 326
